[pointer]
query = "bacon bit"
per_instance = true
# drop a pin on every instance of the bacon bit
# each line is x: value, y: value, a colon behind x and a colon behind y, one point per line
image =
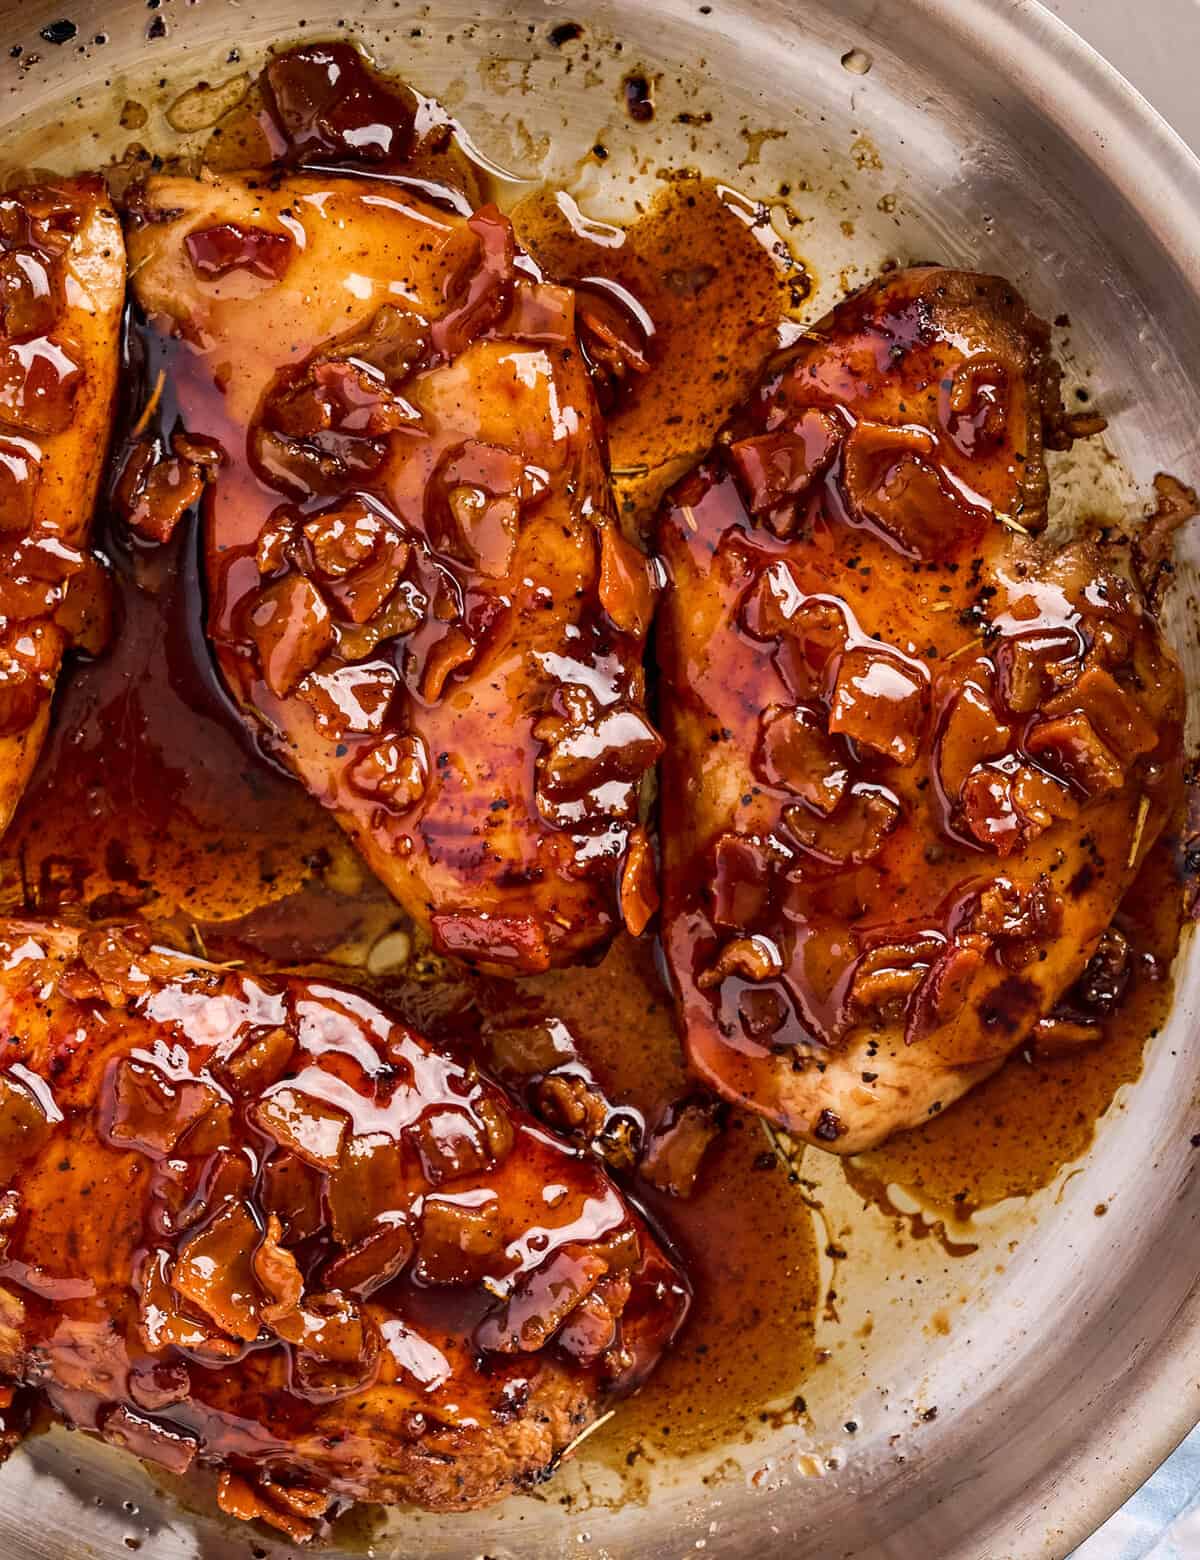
x: 1018, y: 919
x: 455, y: 649
x: 674, y: 1150
x: 591, y: 1327
x: 351, y: 699
x: 30, y: 295
x: 941, y: 995
x: 1072, y: 744
x: 1153, y: 542
x: 39, y: 381
x: 1104, y: 981
x: 639, y: 883
x: 371, y: 1262
x: 24, y: 1125
x: 279, y: 1277
x: 1124, y: 729
x: 516, y: 941
x: 396, y: 770
x: 451, y: 1144
x: 1028, y: 662
x: 343, y: 539
x: 358, y: 556
x: 475, y: 502
x: 155, y: 491
x: 750, y: 958
x: 291, y: 1188
x: 393, y: 344
x: 795, y: 753
x: 290, y: 627
x: 237, y: 1497
x: 1063, y: 1035
x: 540, y: 1302
x: 10, y: 1208
x: 852, y: 835
x: 540, y: 312
x: 149, y: 1111
x: 974, y: 411
x: 303, y: 1124
x: 880, y: 703
x: 160, y: 1384
x: 890, y: 483
x: 261, y: 1061
x: 170, y: 1449
x: 459, y: 1243
x: 628, y: 589
x: 886, y: 976
x: 571, y: 1103
x: 614, y: 345
x: 20, y: 476
x: 741, y: 878
x: 782, y: 467
x: 275, y: 540
x: 1008, y: 804
x: 30, y: 654
x: 214, y: 1271
x: 972, y: 732
x: 620, y: 745
x: 231, y: 246
x: 479, y: 283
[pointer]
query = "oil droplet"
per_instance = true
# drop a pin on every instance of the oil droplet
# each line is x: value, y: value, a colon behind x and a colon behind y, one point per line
x: 857, y: 61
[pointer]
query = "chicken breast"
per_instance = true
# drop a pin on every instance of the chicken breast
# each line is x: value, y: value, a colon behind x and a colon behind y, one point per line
x: 62, y: 288
x: 914, y: 756
x: 262, y: 1226
x: 418, y: 592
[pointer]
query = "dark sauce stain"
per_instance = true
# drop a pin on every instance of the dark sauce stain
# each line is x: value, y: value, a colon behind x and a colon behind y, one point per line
x: 565, y: 32
x: 639, y: 103
x: 59, y: 32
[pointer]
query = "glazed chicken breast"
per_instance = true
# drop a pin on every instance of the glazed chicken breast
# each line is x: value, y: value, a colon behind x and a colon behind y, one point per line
x: 264, y: 1227
x: 914, y: 756
x: 418, y: 593
x: 62, y: 288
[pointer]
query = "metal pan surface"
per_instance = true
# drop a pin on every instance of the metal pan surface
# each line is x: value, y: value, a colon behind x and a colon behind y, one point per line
x: 978, y: 132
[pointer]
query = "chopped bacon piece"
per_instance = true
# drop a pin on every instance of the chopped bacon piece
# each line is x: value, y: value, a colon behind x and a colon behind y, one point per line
x: 855, y: 832
x: 639, y: 884
x: 751, y: 958
x: 892, y: 481
x: 879, y: 701
x: 675, y: 1149
x: 781, y: 467
x: 232, y: 246
x: 290, y: 627
x: 795, y: 752
x: 1071, y: 744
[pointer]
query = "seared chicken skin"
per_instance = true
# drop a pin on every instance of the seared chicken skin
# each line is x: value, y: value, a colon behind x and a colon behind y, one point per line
x: 261, y: 1225
x: 62, y: 287
x: 913, y: 757
x: 418, y: 591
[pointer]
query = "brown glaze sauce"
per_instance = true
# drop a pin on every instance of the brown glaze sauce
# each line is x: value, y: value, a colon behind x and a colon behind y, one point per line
x: 150, y: 799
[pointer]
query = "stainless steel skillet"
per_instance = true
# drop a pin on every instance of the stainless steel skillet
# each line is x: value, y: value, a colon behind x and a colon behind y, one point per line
x: 976, y: 131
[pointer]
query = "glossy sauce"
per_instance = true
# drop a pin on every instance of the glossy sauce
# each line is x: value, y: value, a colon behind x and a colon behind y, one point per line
x: 150, y: 799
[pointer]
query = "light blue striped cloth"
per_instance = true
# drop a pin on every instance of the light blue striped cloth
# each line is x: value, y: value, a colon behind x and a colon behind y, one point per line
x: 1161, y: 1521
